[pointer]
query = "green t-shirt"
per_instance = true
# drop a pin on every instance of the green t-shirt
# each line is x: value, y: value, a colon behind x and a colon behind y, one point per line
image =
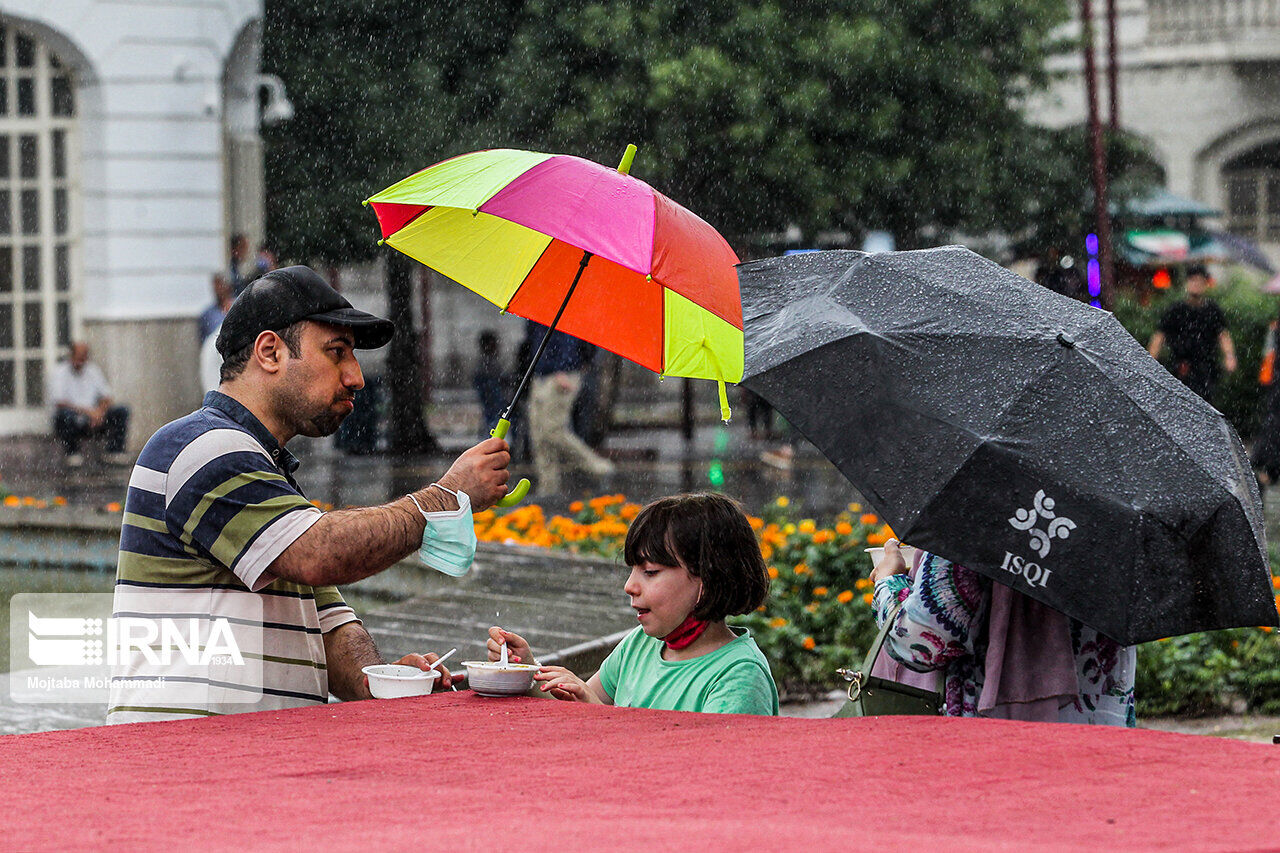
x: 734, y: 679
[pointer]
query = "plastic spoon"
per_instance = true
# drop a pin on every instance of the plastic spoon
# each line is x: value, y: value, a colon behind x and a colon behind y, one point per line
x: 440, y: 660
x: 504, y: 655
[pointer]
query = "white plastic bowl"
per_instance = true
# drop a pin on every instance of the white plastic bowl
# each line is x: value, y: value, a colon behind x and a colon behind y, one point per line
x: 393, y: 680
x: 877, y: 554
x: 490, y: 678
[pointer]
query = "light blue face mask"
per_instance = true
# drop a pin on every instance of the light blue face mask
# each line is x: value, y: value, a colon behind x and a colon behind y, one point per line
x: 449, y: 540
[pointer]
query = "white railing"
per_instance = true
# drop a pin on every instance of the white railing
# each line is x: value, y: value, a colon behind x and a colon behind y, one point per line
x: 1202, y: 21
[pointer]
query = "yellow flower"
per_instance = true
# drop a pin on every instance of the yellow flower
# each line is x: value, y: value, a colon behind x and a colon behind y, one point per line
x: 845, y: 597
x: 1275, y: 581
x: 876, y: 539
x: 756, y: 523
x: 812, y: 608
x: 820, y: 591
x: 773, y: 573
x: 28, y: 501
x: 12, y: 500
x: 577, y: 506
x: 59, y: 501
x: 1268, y: 628
x: 783, y: 501
x: 868, y: 597
x: 822, y: 537
x: 760, y: 609
x: 802, y: 569
x: 809, y: 643
x: 863, y: 583
x: 855, y: 507
x: 629, y: 511
x: 777, y: 622
x: 789, y: 528
x: 766, y: 551
x: 808, y: 526
x: 844, y: 528
x: 869, y: 518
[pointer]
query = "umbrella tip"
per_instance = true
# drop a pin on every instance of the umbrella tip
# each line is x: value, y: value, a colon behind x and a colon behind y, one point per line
x: 365, y: 202
x: 628, y: 157
x: 382, y: 242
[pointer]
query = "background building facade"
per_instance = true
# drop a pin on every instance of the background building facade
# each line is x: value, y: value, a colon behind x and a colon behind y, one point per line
x: 129, y: 153
x: 1200, y: 85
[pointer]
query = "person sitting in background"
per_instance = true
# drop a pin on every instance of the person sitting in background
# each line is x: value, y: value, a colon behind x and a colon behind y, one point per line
x: 694, y: 561
x: 1000, y: 653
x: 83, y: 408
x: 211, y: 317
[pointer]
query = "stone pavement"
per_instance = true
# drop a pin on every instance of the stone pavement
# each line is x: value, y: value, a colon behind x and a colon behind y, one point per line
x: 652, y: 460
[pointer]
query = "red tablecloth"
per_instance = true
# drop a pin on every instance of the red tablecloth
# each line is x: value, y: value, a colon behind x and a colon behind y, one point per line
x: 459, y: 771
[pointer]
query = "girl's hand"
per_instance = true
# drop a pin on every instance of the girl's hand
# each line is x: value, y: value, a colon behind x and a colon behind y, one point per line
x: 518, y: 650
x: 563, y: 684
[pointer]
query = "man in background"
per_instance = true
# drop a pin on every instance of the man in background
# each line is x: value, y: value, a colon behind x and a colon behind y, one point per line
x: 557, y: 378
x: 83, y: 408
x: 1195, y: 330
x: 211, y: 317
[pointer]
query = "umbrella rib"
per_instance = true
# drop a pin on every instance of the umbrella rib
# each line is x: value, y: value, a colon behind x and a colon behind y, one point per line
x: 1095, y: 363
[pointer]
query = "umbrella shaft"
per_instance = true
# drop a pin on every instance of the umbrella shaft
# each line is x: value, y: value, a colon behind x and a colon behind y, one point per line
x: 515, y: 398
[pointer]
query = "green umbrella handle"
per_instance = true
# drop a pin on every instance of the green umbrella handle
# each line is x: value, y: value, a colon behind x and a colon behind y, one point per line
x: 522, y: 488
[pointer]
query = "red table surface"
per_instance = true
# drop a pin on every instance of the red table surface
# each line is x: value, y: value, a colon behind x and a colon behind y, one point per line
x: 458, y: 771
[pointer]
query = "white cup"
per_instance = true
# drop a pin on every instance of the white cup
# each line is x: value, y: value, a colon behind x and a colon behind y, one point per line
x: 877, y: 554
x: 393, y: 680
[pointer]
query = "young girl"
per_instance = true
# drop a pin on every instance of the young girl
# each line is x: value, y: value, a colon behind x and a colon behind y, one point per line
x: 694, y: 561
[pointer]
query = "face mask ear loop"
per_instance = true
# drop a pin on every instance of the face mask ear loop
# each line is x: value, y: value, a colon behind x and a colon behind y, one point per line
x: 432, y: 486
x: 418, y: 505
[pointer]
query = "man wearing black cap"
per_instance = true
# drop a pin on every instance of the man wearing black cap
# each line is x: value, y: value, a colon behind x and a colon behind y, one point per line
x: 217, y: 534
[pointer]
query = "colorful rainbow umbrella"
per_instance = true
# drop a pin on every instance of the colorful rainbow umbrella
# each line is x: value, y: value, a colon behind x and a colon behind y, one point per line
x: 649, y: 280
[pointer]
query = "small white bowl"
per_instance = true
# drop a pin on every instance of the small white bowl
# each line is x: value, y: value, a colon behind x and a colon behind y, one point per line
x: 393, y: 680
x: 490, y: 678
x: 877, y: 554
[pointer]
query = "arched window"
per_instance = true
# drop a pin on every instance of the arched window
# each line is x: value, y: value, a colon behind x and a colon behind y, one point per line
x: 1252, y: 184
x: 38, y: 219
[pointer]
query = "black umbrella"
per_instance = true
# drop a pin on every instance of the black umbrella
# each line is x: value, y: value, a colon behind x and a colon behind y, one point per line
x: 1015, y: 431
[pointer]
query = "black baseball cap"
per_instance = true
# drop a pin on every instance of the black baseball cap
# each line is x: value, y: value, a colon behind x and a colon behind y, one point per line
x: 283, y: 297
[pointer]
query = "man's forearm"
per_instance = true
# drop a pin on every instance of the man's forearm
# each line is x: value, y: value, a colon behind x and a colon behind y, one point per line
x: 347, y: 650
x: 348, y: 545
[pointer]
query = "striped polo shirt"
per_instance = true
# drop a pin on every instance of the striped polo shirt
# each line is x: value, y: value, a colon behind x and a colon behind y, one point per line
x: 211, y: 503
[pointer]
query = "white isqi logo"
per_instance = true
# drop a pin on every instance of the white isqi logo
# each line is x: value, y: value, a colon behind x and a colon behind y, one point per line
x: 1059, y: 526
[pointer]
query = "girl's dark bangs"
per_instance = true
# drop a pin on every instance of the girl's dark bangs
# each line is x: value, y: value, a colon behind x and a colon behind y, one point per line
x: 648, y: 540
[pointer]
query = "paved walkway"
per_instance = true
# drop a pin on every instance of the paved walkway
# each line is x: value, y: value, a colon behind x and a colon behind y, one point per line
x: 652, y: 461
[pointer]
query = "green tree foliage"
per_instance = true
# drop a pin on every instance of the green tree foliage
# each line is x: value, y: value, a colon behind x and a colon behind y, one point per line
x: 1059, y: 208
x: 349, y: 71
x: 897, y: 114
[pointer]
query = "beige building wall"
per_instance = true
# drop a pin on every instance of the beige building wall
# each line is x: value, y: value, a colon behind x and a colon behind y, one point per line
x: 168, y: 164
x: 1200, y: 83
